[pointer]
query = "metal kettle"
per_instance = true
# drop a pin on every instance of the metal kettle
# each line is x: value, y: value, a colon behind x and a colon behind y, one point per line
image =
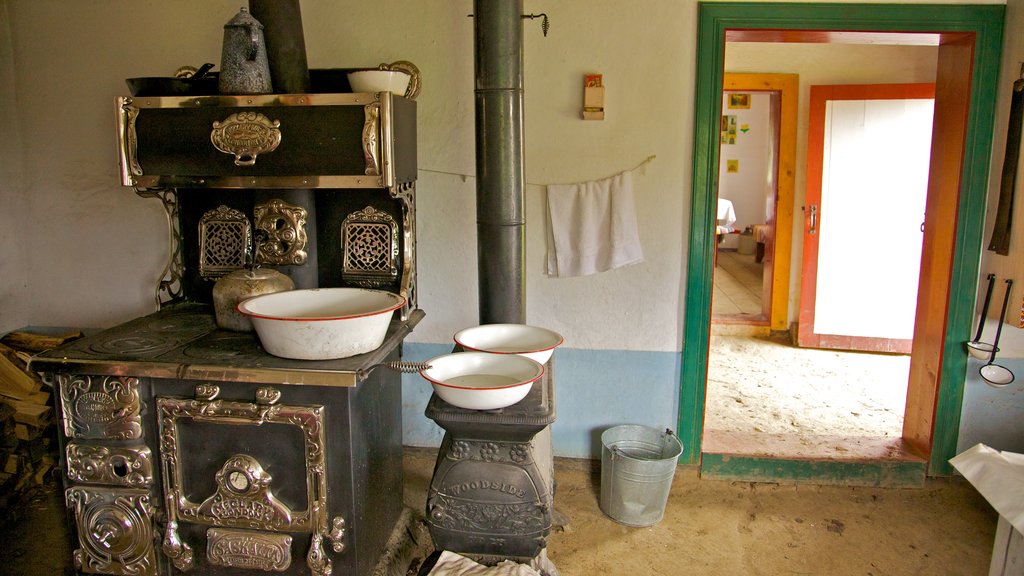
x: 240, y: 285
x: 244, y: 68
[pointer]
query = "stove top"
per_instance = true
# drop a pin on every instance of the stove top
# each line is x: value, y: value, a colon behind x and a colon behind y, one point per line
x: 183, y: 341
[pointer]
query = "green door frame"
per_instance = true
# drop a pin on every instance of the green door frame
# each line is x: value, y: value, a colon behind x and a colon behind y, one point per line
x: 714, y: 19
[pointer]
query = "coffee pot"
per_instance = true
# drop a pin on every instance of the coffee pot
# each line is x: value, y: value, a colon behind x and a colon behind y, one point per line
x: 244, y: 68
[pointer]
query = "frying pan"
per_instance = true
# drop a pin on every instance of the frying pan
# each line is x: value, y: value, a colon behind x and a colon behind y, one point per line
x: 200, y: 83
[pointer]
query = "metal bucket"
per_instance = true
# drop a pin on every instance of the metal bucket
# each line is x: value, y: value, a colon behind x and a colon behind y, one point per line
x: 637, y: 466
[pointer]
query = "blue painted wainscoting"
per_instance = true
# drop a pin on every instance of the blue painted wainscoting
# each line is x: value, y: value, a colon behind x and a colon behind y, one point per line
x: 594, y: 390
x: 993, y: 416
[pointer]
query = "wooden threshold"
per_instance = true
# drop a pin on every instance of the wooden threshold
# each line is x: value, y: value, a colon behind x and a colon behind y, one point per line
x: 834, y: 460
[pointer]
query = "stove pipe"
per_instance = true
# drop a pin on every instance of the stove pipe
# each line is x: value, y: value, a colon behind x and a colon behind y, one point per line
x: 501, y: 250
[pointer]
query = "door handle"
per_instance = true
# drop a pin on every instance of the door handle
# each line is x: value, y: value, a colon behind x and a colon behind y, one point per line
x: 813, y: 214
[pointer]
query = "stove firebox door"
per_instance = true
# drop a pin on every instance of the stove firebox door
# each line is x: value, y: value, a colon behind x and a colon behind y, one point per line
x: 246, y: 479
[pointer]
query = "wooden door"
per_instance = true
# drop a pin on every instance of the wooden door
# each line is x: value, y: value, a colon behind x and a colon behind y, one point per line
x: 867, y: 181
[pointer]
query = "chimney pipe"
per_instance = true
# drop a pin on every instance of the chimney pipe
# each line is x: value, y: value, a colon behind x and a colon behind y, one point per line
x: 501, y: 249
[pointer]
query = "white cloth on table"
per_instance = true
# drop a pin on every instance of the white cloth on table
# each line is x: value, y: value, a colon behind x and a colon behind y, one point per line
x: 999, y: 478
x: 452, y: 564
x: 592, y: 227
x: 726, y: 216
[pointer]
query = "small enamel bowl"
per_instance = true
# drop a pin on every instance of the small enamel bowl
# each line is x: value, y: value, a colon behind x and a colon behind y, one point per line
x: 482, y: 381
x: 533, y: 342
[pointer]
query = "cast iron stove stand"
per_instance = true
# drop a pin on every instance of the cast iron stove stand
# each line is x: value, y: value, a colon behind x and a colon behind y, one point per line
x: 492, y: 493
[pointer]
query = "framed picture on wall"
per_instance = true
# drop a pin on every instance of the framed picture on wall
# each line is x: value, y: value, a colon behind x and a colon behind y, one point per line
x: 728, y: 129
x: 739, y: 101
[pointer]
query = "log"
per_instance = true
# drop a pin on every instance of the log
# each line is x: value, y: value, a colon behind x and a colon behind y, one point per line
x: 42, y: 397
x: 38, y: 342
x: 30, y: 413
x: 13, y: 378
x: 27, y: 433
x: 12, y: 465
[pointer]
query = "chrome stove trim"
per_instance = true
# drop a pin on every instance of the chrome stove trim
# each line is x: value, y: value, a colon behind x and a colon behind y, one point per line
x: 117, y: 466
x: 246, y: 135
x: 128, y: 149
x: 251, y: 489
x: 268, y: 182
x: 371, y: 131
x: 285, y: 227
x: 407, y: 194
x: 115, y: 531
x: 248, y: 550
x: 100, y: 407
x: 243, y: 498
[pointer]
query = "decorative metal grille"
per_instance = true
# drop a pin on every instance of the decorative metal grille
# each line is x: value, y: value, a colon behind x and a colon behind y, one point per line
x: 224, y: 239
x: 370, y: 247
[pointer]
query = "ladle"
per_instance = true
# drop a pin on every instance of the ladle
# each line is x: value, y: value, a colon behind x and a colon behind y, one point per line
x: 995, y: 374
x: 976, y: 347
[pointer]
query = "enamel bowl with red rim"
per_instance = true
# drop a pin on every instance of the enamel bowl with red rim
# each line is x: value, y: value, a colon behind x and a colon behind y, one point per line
x: 322, y: 323
x: 531, y: 341
x: 482, y: 381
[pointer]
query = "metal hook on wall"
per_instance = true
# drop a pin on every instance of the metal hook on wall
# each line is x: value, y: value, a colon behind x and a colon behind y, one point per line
x: 545, y: 24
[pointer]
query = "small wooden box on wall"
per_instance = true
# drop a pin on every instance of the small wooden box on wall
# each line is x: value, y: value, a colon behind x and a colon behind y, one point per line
x: 593, y: 97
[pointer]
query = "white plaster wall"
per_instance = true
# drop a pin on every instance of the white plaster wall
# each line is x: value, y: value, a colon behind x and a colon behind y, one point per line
x: 823, y: 64
x: 13, y: 206
x: 97, y: 249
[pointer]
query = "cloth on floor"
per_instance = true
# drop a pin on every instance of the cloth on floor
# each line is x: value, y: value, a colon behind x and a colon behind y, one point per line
x: 452, y: 564
x: 592, y: 227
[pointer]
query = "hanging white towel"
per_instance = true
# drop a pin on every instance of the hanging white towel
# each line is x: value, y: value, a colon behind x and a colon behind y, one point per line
x: 451, y: 564
x: 592, y: 227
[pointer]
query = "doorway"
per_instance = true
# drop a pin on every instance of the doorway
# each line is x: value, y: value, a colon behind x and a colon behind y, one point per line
x: 969, y: 41
x: 765, y: 395
x: 775, y: 232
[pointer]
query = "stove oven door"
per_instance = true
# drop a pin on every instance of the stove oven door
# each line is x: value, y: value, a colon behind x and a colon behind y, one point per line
x: 244, y: 484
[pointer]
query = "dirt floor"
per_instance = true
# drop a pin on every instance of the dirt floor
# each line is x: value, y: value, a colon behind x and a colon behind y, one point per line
x: 764, y: 385
x: 710, y: 528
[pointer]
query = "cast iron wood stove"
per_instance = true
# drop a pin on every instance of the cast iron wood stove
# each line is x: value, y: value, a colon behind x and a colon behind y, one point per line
x: 188, y: 449
x: 492, y: 493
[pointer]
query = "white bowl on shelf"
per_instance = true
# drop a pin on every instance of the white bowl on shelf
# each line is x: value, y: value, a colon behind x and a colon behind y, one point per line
x: 394, y: 81
x: 322, y: 323
x: 482, y: 381
x: 530, y: 341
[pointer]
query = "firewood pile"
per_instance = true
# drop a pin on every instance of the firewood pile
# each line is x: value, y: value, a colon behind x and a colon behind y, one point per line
x: 28, y: 444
